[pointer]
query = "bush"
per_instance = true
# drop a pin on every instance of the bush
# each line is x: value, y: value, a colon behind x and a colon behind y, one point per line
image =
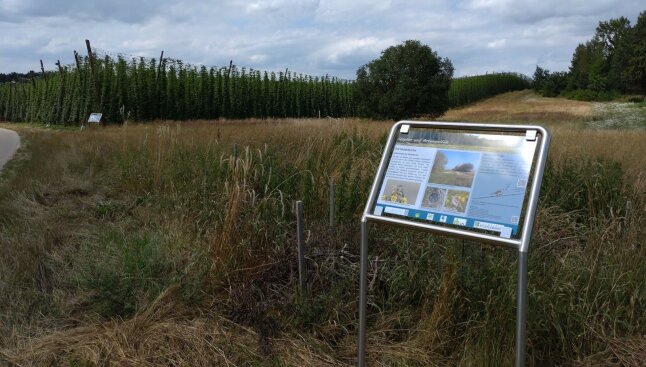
x: 549, y: 84
x: 408, y: 80
x: 590, y: 95
x: 121, y: 273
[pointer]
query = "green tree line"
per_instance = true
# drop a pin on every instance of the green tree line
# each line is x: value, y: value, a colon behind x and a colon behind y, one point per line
x: 612, y: 62
x: 16, y: 76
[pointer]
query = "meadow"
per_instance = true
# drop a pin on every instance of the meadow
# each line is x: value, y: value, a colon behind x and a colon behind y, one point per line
x: 174, y: 243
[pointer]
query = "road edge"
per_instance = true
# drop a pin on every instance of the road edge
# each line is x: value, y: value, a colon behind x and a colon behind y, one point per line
x: 12, y: 150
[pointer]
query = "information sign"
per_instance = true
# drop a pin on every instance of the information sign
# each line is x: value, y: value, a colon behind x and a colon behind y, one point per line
x: 95, y: 118
x: 458, y: 178
x: 465, y: 180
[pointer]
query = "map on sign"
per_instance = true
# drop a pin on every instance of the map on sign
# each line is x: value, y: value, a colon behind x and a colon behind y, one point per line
x: 465, y: 179
x: 95, y: 118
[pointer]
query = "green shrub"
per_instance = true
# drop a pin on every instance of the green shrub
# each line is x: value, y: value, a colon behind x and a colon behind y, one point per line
x: 122, y: 272
x: 590, y: 95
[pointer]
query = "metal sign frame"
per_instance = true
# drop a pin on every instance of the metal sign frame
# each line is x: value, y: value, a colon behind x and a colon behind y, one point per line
x: 520, y: 244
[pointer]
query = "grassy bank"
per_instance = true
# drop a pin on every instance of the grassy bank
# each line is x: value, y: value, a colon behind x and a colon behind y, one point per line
x: 174, y: 244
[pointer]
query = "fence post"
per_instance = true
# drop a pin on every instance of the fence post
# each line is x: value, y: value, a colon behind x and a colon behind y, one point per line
x: 629, y: 206
x: 42, y: 69
x: 90, y: 55
x: 331, y: 202
x: 301, y: 246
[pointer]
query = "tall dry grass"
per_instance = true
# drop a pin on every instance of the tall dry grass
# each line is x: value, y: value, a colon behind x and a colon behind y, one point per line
x: 523, y: 106
x: 159, y: 244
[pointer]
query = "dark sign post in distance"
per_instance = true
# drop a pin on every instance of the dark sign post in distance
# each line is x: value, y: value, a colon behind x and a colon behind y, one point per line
x: 473, y: 181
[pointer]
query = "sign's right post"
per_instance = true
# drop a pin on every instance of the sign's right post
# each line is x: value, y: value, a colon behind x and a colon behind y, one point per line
x: 521, y: 311
x: 521, y: 295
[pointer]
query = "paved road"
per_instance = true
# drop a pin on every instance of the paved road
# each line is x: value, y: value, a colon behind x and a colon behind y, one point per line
x: 9, y: 143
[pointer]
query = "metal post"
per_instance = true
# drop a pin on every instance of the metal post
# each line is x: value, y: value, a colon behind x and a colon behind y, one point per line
x: 301, y: 246
x: 363, y: 293
x: 521, y: 311
x: 331, y: 202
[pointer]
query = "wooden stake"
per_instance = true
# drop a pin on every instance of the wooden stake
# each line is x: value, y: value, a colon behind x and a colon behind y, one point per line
x: 157, y: 88
x: 42, y: 68
x: 97, y: 103
x: 629, y: 206
x: 159, y: 65
x: 301, y: 247
x: 331, y: 202
x: 161, y: 57
x: 76, y: 59
x: 61, y: 96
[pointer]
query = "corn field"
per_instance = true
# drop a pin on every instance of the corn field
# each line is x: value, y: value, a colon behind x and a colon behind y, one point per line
x: 469, y: 89
x: 145, y: 89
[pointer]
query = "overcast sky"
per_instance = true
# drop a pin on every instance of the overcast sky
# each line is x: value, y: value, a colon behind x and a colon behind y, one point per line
x: 310, y: 36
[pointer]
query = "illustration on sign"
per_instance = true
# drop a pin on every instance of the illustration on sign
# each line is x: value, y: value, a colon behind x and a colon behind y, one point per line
x: 475, y: 180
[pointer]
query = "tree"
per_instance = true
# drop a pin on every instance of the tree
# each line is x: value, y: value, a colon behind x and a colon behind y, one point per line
x: 549, y: 84
x: 440, y: 162
x: 610, y: 33
x: 540, y: 78
x: 464, y: 167
x: 613, y: 36
x: 637, y: 63
x: 587, y: 65
x: 407, y: 80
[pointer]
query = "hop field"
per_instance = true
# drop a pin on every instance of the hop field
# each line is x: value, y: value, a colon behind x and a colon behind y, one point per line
x: 173, y: 243
x: 143, y: 89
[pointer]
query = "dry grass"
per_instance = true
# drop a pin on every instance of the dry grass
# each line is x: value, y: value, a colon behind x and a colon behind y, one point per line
x: 155, y: 244
x: 523, y: 106
x: 623, y: 146
x: 565, y: 119
x: 165, y: 333
x: 618, y: 352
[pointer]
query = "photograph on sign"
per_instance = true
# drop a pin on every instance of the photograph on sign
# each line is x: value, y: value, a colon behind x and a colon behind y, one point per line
x: 95, y: 118
x: 472, y: 180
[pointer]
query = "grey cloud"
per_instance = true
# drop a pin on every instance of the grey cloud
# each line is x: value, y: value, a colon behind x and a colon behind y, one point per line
x: 311, y: 36
x: 126, y: 11
x: 530, y: 13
